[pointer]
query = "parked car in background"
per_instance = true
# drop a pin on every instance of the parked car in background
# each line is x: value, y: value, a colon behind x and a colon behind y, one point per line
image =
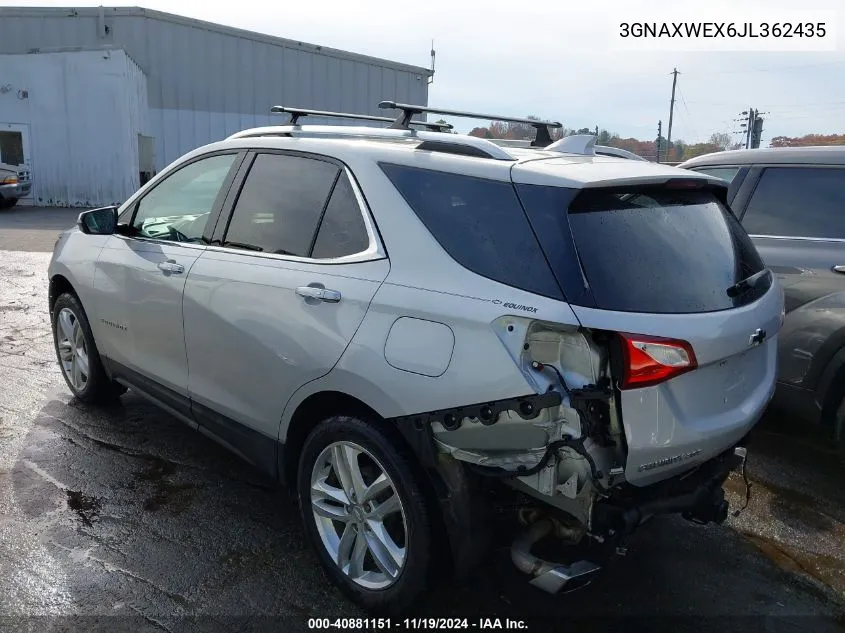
x: 791, y: 201
x: 14, y: 184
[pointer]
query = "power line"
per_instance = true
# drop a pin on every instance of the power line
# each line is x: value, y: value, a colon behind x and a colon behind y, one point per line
x: 689, y: 114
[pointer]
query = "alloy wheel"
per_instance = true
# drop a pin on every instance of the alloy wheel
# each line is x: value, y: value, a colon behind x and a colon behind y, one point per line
x: 359, y: 515
x: 73, y: 352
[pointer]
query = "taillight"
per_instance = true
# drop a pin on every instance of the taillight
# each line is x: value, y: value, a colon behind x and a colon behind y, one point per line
x: 650, y: 360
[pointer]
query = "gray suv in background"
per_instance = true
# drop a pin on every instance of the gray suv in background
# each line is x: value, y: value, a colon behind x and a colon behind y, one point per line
x: 792, y: 203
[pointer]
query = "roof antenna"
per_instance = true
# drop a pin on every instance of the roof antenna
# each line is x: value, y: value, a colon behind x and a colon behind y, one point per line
x: 431, y: 76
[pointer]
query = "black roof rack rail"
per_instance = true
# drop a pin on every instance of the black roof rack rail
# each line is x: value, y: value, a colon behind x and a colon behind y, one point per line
x: 543, y: 137
x: 297, y: 113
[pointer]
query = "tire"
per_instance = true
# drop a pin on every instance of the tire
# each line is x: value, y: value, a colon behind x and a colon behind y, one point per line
x: 373, y: 451
x: 839, y: 427
x: 8, y: 203
x: 77, y: 353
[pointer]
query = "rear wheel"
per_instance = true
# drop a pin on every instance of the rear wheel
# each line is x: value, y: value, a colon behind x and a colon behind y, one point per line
x: 365, y: 514
x: 77, y: 353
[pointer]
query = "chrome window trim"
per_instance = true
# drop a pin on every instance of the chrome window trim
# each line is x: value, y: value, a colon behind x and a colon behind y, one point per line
x: 796, y: 237
x: 158, y: 240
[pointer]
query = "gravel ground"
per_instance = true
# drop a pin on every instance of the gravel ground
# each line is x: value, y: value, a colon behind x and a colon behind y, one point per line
x: 124, y: 519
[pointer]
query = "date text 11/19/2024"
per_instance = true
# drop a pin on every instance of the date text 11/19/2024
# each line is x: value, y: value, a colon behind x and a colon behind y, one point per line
x: 412, y: 624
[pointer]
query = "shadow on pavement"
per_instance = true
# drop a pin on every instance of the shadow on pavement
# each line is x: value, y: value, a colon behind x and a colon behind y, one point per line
x: 131, y: 519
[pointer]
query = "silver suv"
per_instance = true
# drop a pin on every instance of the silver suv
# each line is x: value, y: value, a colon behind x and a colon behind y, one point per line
x: 395, y: 321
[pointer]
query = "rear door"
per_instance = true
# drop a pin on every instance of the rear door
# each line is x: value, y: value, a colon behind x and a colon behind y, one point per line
x: 658, y: 261
x: 796, y: 217
x: 273, y: 303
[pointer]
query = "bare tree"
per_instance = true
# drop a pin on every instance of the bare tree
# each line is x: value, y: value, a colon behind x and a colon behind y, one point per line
x: 722, y: 139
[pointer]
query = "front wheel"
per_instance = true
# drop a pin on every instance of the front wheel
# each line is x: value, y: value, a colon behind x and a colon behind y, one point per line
x: 365, y: 514
x: 8, y: 203
x: 77, y: 353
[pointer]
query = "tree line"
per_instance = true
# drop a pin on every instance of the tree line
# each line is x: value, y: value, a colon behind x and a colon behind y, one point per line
x: 679, y: 151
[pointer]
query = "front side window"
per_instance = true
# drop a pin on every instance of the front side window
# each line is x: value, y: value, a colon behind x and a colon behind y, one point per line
x: 280, y: 205
x: 798, y: 202
x: 178, y: 208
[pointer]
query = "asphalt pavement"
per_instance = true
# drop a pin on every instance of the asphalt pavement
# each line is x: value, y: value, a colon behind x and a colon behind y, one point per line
x: 122, y: 518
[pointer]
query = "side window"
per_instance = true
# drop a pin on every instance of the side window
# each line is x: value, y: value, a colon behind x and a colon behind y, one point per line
x: 280, y: 204
x: 342, y: 231
x: 480, y: 223
x: 725, y: 173
x: 178, y: 208
x: 798, y: 202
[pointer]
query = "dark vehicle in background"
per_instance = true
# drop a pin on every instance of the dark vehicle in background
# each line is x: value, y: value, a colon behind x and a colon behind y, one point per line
x: 791, y: 201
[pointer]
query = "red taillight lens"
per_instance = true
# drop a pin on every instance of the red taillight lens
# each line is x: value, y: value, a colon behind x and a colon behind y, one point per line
x: 650, y: 360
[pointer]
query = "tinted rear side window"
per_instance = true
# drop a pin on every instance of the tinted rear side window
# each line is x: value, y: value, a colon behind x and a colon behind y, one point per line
x: 649, y: 249
x: 798, y: 202
x: 342, y: 230
x: 480, y: 223
x: 280, y: 204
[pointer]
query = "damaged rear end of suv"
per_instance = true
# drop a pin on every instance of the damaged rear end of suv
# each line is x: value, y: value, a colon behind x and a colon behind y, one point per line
x: 612, y: 342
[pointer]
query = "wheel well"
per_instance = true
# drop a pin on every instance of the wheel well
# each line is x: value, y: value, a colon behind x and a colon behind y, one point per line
x: 314, y: 409
x: 319, y: 406
x: 58, y: 286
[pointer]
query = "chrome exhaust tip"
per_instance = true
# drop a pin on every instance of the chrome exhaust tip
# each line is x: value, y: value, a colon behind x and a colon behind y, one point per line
x: 548, y: 576
x: 570, y: 577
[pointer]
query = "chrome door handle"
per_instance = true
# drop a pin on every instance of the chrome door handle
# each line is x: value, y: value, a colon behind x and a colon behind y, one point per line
x: 323, y: 294
x: 839, y: 269
x: 171, y: 267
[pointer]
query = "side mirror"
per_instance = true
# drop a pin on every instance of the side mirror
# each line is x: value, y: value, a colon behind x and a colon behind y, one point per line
x: 102, y: 221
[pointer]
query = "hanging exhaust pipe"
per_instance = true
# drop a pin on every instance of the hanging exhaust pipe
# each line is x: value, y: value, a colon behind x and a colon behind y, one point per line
x: 546, y: 575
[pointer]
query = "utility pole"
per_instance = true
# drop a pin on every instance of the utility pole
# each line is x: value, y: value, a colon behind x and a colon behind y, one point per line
x: 749, y: 126
x: 756, y: 130
x: 675, y: 74
x: 659, y: 134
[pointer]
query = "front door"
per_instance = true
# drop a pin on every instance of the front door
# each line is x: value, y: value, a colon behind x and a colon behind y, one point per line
x: 275, y: 305
x: 140, y: 277
x: 15, y: 150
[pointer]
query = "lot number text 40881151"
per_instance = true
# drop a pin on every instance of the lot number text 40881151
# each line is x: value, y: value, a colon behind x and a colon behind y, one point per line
x: 411, y: 624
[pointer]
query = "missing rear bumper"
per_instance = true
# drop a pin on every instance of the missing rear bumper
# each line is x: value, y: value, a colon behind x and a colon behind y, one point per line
x: 698, y: 496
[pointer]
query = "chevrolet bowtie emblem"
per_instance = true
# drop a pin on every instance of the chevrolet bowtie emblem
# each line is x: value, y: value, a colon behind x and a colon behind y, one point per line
x: 757, y: 337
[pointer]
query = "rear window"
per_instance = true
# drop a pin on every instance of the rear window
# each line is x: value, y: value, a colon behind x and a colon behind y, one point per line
x: 480, y: 223
x: 645, y: 249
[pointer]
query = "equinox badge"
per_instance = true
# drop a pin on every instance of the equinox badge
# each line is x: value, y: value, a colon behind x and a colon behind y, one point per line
x: 757, y: 337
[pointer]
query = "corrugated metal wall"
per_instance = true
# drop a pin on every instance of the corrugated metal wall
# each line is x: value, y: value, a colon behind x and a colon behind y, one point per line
x: 205, y: 81
x: 84, y: 111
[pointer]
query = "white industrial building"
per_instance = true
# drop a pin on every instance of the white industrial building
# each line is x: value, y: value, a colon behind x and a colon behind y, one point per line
x: 95, y: 100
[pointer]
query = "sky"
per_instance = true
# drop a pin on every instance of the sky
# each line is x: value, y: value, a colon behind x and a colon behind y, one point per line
x: 565, y: 61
